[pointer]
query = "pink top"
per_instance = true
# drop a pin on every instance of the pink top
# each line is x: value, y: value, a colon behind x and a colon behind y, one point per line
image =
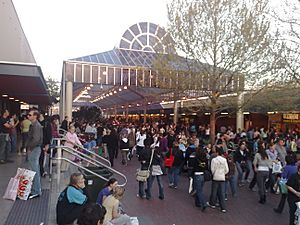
x: 72, y: 138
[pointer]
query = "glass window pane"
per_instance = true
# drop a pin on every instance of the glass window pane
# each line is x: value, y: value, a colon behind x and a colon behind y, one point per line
x: 118, y: 76
x: 152, y: 28
x: 143, y: 39
x: 124, y: 44
x: 128, y: 35
x: 134, y: 28
x: 78, y: 73
x: 143, y: 27
x: 136, y: 45
x: 86, y: 74
x: 133, y: 77
x: 95, y: 74
x: 111, y: 76
x: 125, y: 76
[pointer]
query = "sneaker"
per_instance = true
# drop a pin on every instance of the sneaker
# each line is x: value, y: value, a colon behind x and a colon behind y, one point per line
x: 44, y: 174
x: 2, y: 161
x: 31, y: 196
x: 223, y: 210
x: 211, y: 206
x: 171, y: 185
x: 161, y: 197
x: 175, y: 187
x: 226, y: 199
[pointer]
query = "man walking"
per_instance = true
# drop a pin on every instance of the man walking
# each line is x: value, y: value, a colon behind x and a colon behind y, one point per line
x: 33, y: 145
x: 4, y: 137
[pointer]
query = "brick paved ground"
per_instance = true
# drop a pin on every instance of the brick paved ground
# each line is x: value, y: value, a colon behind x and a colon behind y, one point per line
x: 178, y: 207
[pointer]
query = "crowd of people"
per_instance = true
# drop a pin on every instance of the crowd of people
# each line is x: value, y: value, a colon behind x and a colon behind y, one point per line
x: 267, y: 159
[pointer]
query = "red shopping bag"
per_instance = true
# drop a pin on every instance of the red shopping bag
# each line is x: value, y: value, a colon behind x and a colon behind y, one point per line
x: 169, y: 160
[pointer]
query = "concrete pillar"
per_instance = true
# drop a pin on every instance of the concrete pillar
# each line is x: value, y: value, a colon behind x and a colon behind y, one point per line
x: 239, y: 113
x: 175, y: 108
x: 69, y: 100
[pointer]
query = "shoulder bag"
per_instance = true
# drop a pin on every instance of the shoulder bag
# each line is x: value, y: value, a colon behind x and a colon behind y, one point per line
x: 142, y: 175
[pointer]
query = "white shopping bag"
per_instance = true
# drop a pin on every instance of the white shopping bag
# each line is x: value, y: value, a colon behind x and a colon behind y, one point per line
x: 297, y: 214
x: 12, y: 189
x: 25, y: 177
x: 191, y: 185
x: 134, y: 221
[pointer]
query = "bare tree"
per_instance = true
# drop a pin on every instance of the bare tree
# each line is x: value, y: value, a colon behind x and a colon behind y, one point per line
x: 287, y: 18
x: 226, y: 46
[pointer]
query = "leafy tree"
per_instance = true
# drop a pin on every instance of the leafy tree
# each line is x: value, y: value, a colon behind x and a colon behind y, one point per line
x: 54, y: 89
x: 227, y: 48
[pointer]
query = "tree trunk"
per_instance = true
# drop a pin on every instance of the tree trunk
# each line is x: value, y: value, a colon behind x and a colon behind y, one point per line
x: 212, y: 122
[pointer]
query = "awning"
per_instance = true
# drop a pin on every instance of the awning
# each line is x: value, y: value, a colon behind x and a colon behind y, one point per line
x: 24, y: 82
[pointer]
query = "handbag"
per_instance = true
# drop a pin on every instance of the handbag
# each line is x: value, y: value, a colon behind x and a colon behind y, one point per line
x: 282, y: 186
x: 156, y: 170
x: 207, y: 175
x: 142, y: 175
x: 169, y: 160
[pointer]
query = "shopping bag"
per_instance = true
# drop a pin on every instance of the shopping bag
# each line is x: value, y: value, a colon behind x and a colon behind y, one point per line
x: 142, y: 175
x: 12, y: 189
x: 191, y: 185
x: 297, y: 214
x: 282, y: 186
x: 25, y: 177
x: 134, y: 221
x: 156, y: 170
x: 276, y: 167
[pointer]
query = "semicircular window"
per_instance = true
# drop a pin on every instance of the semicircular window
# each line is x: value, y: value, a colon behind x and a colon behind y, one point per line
x: 147, y: 37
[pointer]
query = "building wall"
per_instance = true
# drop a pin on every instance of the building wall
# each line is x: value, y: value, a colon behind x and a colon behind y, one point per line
x: 14, y: 46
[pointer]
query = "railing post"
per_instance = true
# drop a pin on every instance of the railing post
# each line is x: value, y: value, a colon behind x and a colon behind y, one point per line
x: 58, y: 163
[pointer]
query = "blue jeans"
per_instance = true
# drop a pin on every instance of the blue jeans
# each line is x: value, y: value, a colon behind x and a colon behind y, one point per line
x: 240, y: 170
x: 4, y: 146
x: 199, y: 184
x: 160, y: 186
x: 232, y: 182
x: 173, y: 175
x: 13, y: 141
x: 218, y: 191
x: 141, y: 189
x: 33, y: 158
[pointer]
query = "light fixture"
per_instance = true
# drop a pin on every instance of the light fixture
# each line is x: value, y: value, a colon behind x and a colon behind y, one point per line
x: 207, y: 113
x: 115, y: 91
x: 125, y: 87
x: 120, y: 89
x: 17, y: 100
x: 91, y: 85
x: 4, y: 96
x: 88, y: 88
x: 246, y: 113
x: 11, y: 98
x: 224, y: 113
x: 110, y: 93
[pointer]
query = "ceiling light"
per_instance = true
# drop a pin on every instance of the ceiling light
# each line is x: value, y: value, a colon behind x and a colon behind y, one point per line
x: 4, y: 96
x: 17, y: 100
x: 11, y: 98
x: 88, y: 88
x: 91, y: 85
x: 125, y: 87
x: 120, y: 89
x: 115, y: 92
x: 110, y: 93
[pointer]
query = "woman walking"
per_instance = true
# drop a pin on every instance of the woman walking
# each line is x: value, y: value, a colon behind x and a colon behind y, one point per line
x: 200, y: 165
x: 262, y: 164
x: 156, y: 172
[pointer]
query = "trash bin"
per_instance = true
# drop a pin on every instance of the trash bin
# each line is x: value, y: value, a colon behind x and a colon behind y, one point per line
x: 93, y: 183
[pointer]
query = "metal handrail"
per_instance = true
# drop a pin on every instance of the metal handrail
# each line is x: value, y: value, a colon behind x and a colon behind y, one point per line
x: 81, y: 147
x: 65, y: 148
x: 64, y: 132
x: 84, y: 168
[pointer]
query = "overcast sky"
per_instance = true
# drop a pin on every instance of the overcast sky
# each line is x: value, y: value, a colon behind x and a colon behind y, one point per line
x: 63, y: 29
